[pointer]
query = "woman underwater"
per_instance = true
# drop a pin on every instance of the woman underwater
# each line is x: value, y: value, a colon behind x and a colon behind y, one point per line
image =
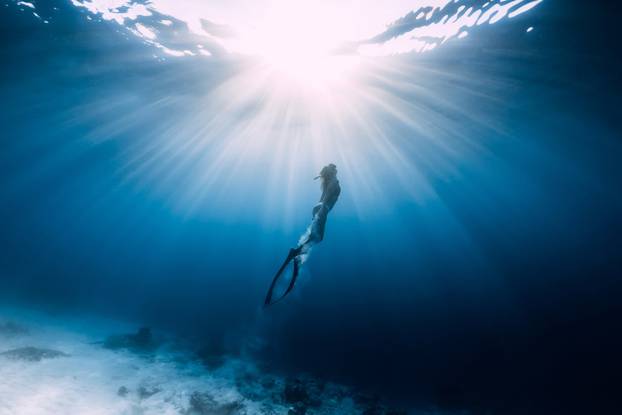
x: 315, y: 232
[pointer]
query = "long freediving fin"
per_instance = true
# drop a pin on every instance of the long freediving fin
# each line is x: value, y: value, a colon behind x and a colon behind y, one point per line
x: 293, y: 253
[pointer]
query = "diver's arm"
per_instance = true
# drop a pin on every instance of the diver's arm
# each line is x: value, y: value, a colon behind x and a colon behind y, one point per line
x: 331, y: 194
x: 329, y: 191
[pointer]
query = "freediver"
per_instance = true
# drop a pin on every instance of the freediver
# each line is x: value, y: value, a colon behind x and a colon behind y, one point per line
x: 315, y: 232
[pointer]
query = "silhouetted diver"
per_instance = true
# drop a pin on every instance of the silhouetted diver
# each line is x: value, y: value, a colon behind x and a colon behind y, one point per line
x: 315, y: 232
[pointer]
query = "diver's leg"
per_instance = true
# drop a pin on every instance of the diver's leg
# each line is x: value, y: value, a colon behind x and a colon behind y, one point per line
x: 319, y: 224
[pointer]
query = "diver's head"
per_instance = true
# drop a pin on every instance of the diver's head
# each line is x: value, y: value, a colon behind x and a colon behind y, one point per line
x: 328, y: 172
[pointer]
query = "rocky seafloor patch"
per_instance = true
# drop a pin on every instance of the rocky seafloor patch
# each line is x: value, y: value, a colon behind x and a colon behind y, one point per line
x: 68, y: 367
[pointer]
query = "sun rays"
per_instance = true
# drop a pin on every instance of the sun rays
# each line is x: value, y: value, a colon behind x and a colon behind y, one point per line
x: 273, y: 101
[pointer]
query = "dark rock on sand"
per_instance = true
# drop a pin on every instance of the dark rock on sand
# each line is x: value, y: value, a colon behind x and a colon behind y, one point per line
x: 123, y: 391
x: 205, y: 404
x: 295, y: 391
x: 145, y: 392
x: 141, y: 341
x: 32, y: 354
x: 303, y: 390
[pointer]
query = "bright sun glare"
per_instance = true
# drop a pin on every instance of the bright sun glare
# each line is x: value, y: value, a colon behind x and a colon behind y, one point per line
x: 311, y: 69
x: 288, y: 41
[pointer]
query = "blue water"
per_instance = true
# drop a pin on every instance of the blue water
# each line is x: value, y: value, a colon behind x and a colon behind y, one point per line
x: 475, y: 268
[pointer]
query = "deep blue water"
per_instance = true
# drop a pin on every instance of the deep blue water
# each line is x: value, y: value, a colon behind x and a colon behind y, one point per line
x: 499, y: 294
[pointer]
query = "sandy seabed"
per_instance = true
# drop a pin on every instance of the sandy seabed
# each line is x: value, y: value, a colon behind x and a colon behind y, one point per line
x: 58, y: 366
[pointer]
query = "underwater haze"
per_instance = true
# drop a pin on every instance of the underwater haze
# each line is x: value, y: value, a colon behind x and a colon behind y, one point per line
x: 157, y: 162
